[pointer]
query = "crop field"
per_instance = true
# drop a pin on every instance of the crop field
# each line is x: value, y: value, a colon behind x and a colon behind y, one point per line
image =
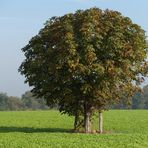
x: 45, y: 129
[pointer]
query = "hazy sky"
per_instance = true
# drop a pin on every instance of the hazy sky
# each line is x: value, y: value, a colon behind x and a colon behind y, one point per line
x: 22, y: 19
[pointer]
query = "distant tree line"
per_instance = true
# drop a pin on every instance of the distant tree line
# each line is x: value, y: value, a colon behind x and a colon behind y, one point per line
x: 26, y: 102
x: 138, y: 101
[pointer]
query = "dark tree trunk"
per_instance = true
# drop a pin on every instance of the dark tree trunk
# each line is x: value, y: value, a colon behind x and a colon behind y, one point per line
x: 100, y: 122
x: 76, y: 122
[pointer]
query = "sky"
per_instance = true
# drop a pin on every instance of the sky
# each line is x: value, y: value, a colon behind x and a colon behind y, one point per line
x: 20, y: 20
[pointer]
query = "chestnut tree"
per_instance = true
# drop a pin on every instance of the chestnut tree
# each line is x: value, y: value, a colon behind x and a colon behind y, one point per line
x: 85, y: 62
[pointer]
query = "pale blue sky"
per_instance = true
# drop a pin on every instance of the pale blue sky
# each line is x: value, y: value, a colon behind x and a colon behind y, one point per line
x: 22, y: 19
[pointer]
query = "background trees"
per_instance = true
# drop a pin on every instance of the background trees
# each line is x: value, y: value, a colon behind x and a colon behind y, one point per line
x: 138, y: 101
x: 26, y: 102
x: 14, y: 103
x: 3, y: 101
x: 10, y: 103
x: 30, y: 102
x: 86, y: 61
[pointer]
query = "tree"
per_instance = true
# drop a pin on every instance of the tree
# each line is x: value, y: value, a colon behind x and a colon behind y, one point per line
x: 10, y: 103
x: 30, y: 102
x: 85, y: 62
x: 3, y: 101
x: 14, y: 103
x: 145, y: 97
x: 138, y: 101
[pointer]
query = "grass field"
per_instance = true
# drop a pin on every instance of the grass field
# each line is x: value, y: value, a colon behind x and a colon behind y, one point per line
x: 45, y: 129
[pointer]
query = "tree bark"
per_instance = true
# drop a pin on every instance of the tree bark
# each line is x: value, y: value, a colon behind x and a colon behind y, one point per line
x: 100, y: 122
x: 87, y: 122
x: 87, y: 117
x: 76, y: 122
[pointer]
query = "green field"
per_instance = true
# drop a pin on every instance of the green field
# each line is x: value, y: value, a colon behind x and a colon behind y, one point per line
x: 41, y: 129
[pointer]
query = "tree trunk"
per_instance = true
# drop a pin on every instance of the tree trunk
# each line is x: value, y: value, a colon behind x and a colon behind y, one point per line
x: 76, y: 122
x: 87, y: 118
x: 87, y: 121
x: 100, y: 122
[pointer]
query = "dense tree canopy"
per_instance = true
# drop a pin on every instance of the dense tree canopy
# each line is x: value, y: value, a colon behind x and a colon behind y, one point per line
x: 86, y: 61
